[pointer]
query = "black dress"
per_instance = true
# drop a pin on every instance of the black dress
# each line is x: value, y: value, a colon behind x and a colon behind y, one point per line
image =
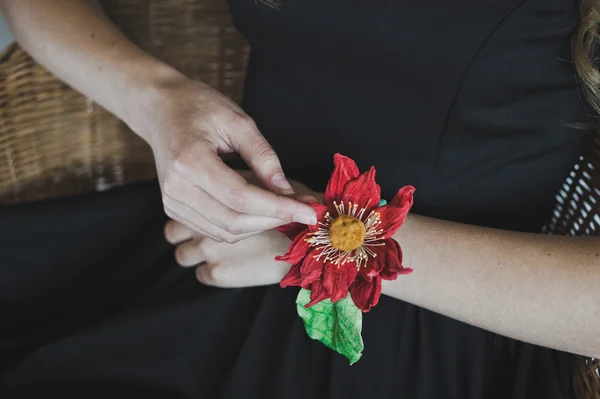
x: 470, y: 101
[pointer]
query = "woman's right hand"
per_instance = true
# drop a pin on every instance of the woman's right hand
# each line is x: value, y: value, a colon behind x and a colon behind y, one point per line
x: 188, y: 124
x: 185, y: 122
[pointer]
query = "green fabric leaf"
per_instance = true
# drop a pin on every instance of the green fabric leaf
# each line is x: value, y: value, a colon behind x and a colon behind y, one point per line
x: 337, y: 325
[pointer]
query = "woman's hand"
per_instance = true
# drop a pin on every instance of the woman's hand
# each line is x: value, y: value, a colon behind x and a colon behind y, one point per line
x: 247, y: 263
x: 185, y: 122
x: 188, y: 125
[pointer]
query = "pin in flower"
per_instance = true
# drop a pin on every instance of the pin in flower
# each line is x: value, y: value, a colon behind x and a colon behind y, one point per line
x: 341, y: 261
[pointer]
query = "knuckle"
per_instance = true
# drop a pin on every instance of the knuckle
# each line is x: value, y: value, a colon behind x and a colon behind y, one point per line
x: 265, y: 152
x: 200, y: 246
x: 233, y: 228
x: 183, y: 160
x: 169, y: 186
x: 203, y: 246
x: 208, y: 251
x: 218, y: 274
x: 180, y: 163
x: 181, y: 255
x: 217, y: 237
x: 169, y: 231
x: 167, y: 209
x: 168, y: 204
x: 236, y: 200
x: 210, y: 275
x: 231, y: 239
x: 241, y: 119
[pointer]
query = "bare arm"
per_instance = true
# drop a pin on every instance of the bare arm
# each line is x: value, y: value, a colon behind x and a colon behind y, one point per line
x: 187, y: 123
x: 76, y: 41
x: 536, y: 288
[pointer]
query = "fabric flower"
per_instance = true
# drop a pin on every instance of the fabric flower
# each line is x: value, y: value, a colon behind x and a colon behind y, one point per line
x: 351, y: 248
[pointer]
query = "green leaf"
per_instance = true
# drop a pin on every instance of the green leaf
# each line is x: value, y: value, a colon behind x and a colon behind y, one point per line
x: 337, y: 325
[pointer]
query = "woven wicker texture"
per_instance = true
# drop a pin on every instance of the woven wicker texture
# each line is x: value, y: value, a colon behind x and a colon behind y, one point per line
x: 55, y: 142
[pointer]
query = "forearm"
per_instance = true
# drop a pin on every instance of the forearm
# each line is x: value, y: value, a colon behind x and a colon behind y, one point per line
x: 536, y: 288
x: 75, y: 40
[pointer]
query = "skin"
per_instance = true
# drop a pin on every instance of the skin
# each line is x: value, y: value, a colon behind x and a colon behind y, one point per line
x: 535, y: 288
x: 539, y: 289
x: 186, y: 123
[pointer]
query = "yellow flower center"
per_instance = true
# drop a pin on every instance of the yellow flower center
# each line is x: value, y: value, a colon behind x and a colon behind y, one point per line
x: 347, y: 233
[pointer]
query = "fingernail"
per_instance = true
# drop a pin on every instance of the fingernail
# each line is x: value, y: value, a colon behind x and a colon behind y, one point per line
x: 305, y: 219
x: 281, y: 182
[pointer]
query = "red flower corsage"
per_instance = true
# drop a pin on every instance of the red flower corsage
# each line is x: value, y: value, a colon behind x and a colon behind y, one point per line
x: 351, y: 249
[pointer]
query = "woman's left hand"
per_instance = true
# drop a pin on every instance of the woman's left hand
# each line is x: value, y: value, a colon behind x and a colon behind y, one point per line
x: 246, y: 263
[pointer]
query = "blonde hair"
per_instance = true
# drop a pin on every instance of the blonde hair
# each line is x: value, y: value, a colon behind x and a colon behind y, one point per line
x: 585, y: 50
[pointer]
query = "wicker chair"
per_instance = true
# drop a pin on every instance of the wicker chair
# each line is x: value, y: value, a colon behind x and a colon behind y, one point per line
x: 55, y: 142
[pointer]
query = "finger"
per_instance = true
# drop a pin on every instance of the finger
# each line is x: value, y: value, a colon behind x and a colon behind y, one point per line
x: 207, y: 274
x: 191, y: 253
x: 232, y: 190
x: 176, y: 232
x: 261, y: 158
x: 175, y: 215
x: 305, y: 198
x: 230, y: 274
x: 250, y: 177
x: 219, y: 275
x: 198, y: 223
x: 204, y: 207
x: 225, y: 218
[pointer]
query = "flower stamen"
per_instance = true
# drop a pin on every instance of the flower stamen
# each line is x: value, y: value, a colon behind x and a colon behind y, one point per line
x: 347, y: 233
x: 347, y: 237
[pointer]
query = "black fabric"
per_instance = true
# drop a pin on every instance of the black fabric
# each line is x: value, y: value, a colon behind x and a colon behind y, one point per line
x: 469, y: 101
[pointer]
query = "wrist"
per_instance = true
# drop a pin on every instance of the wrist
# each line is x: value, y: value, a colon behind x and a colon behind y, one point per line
x: 407, y: 236
x: 147, y: 95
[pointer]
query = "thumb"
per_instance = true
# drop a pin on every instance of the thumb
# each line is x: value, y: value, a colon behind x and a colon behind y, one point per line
x: 263, y: 161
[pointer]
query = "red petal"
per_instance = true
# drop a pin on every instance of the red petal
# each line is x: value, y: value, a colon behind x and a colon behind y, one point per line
x: 297, y: 250
x: 394, y: 214
x: 393, y: 265
x: 303, y: 274
x: 363, y: 191
x: 375, y: 264
x: 292, y: 278
x: 345, y: 170
x: 311, y: 270
x: 291, y: 230
x: 337, y: 280
x: 365, y: 294
x: 403, y: 196
x: 318, y: 293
